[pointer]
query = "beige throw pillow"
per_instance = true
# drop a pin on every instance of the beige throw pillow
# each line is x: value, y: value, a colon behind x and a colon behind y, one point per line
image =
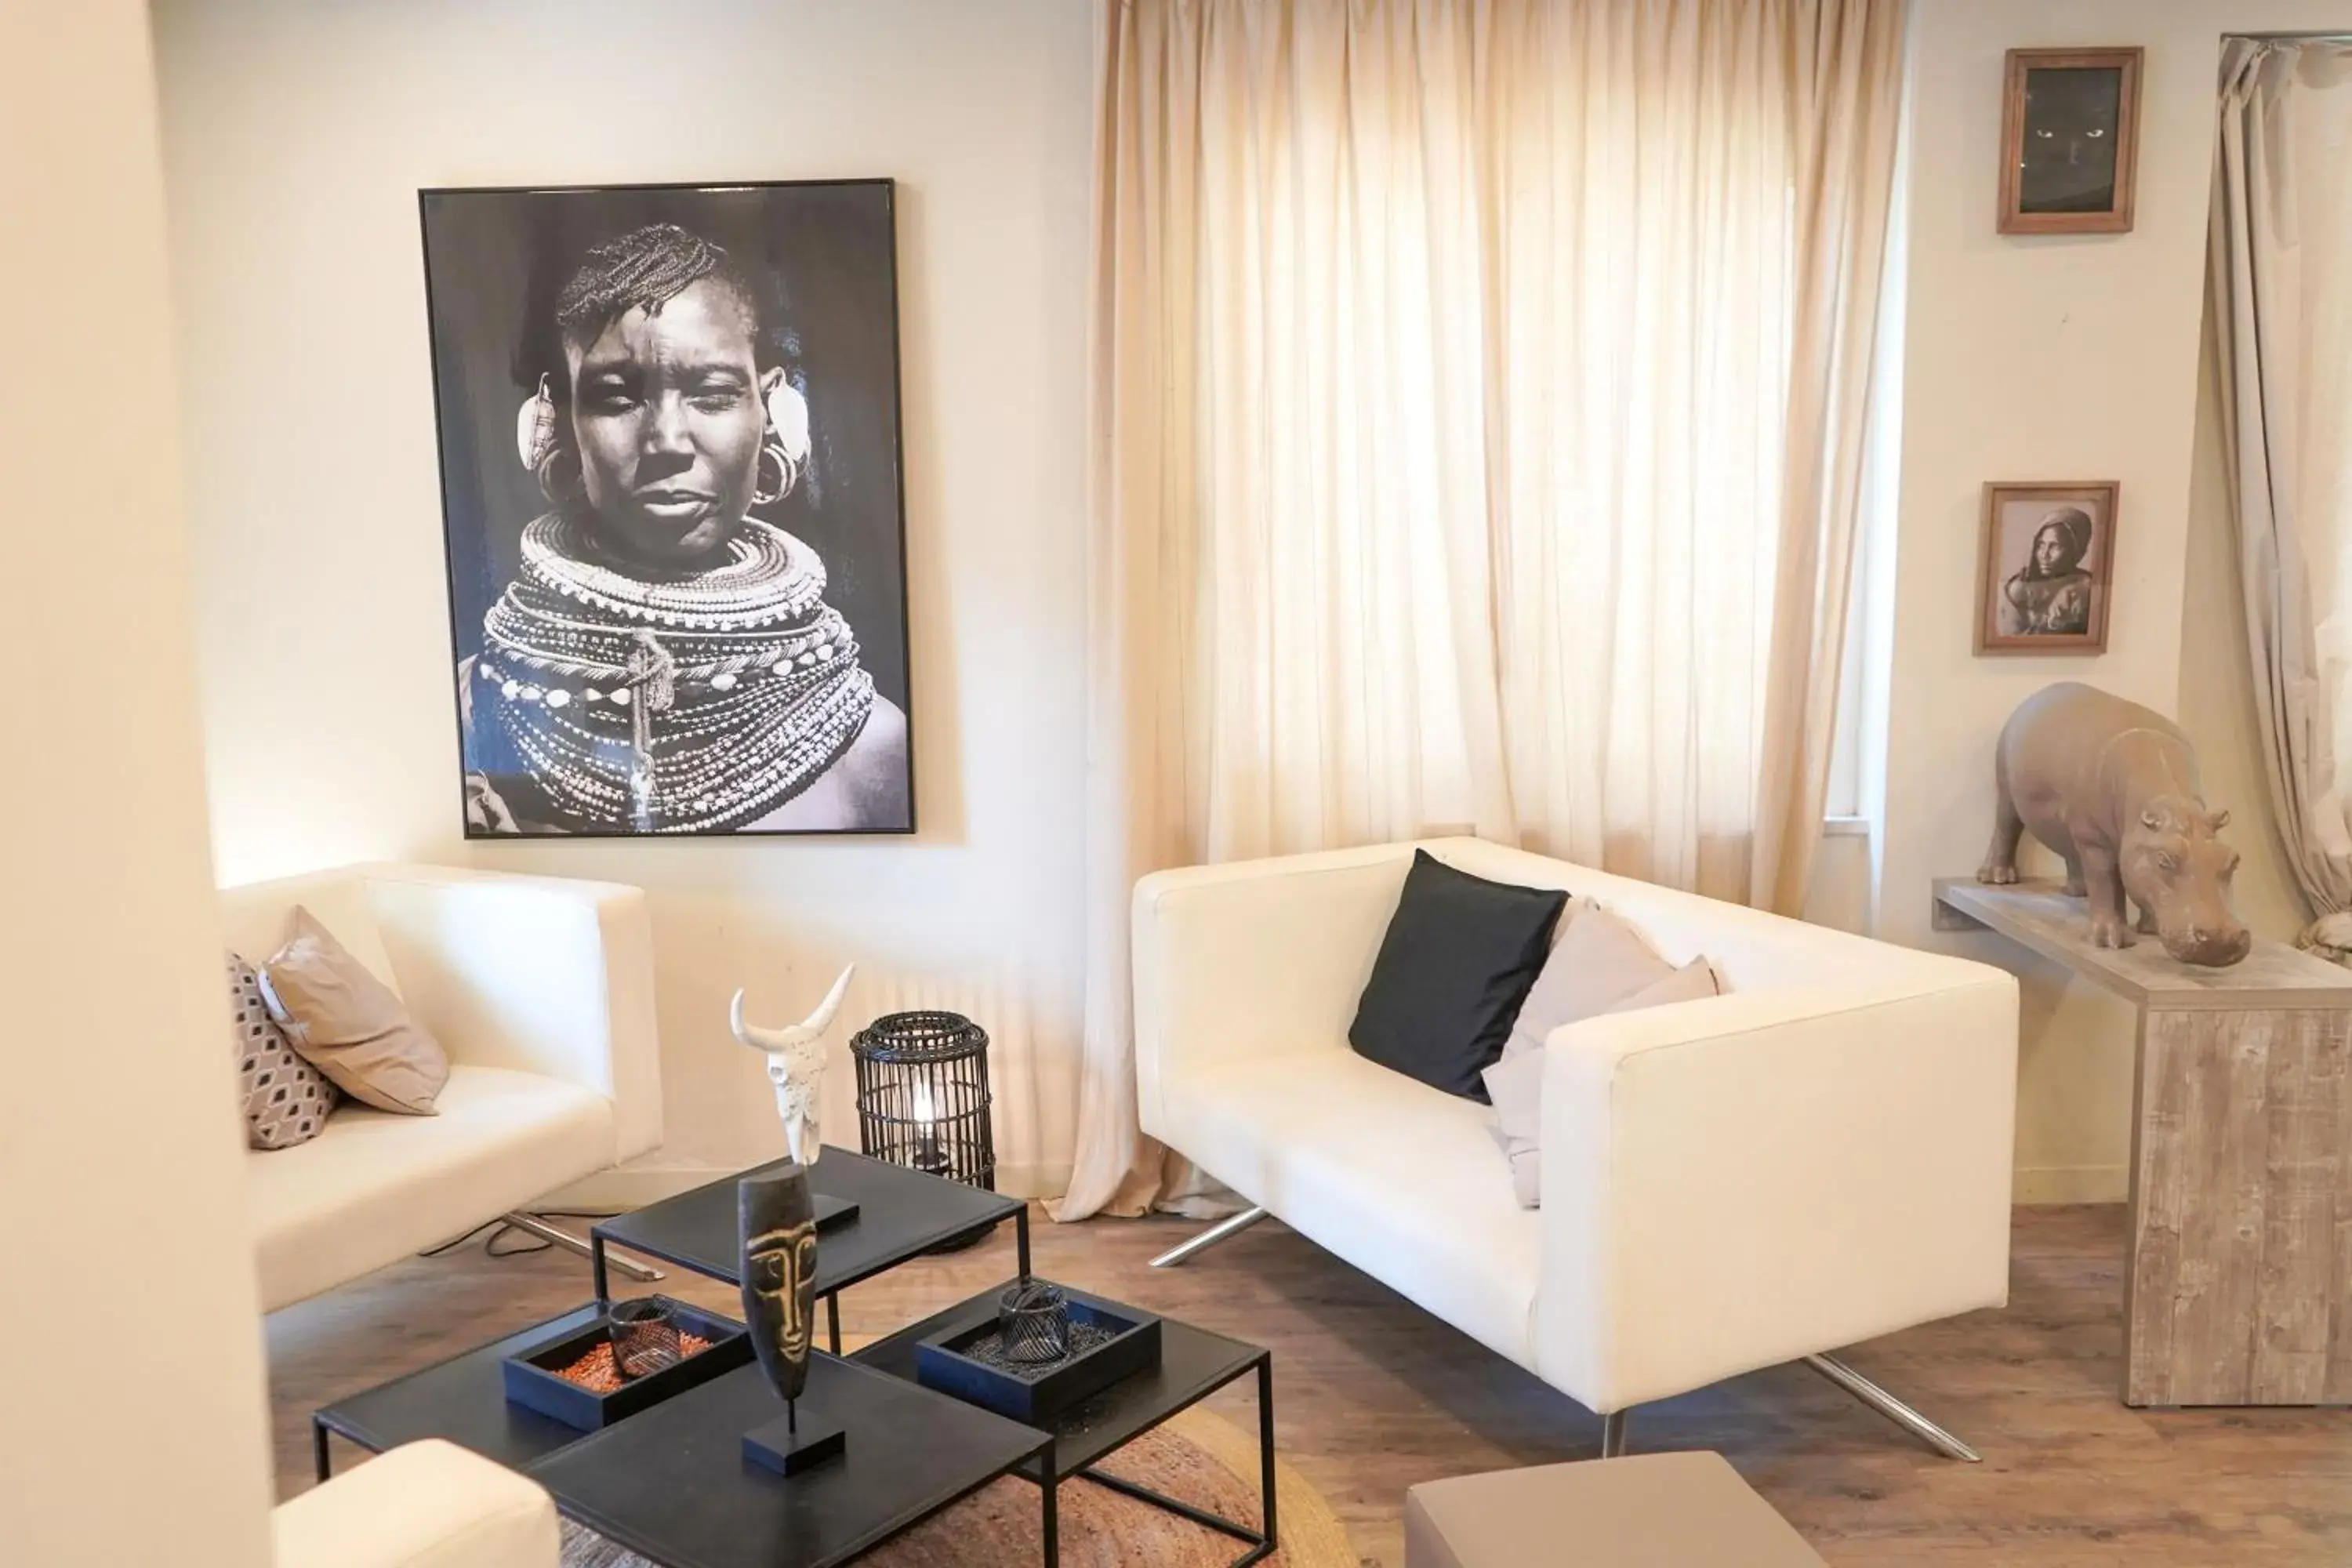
x: 1516, y: 1083
x: 349, y: 1025
x: 1598, y: 959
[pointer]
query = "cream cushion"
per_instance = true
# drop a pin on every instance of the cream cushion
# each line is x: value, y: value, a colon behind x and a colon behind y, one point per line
x: 1599, y: 958
x: 1515, y: 1084
x: 422, y: 1505
x: 381, y: 1185
x: 1358, y: 1159
x: 254, y: 919
x: 348, y: 1024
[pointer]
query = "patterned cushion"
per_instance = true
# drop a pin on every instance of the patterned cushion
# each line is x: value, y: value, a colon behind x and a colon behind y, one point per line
x: 286, y: 1098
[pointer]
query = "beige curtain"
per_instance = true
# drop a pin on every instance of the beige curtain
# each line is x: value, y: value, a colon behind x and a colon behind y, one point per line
x: 1478, y: 410
x: 2281, y: 276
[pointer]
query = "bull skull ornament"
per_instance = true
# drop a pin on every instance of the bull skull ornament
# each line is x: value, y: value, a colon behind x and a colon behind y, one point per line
x: 796, y: 1066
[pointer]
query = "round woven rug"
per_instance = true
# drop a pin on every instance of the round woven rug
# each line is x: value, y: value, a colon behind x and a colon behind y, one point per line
x: 1198, y: 1457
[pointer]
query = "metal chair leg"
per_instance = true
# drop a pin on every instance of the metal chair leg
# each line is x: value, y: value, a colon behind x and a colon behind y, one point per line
x: 531, y: 1224
x: 1893, y: 1409
x: 1613, y: 1435
x: 1208, y: 1237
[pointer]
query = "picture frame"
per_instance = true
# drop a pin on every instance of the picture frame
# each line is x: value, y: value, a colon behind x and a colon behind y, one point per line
x: 672, y: 507
x: 2046, y: 572
x: 2070, y: 141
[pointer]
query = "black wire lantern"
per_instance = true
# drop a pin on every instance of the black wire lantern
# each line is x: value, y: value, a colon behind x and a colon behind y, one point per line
x: 922, y: 1095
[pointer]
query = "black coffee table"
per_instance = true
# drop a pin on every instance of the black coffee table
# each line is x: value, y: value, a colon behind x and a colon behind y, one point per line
x: 901, y: 1213
x: 463, y: 1399
x: 671, y: 1483
x: 1193, y: 1365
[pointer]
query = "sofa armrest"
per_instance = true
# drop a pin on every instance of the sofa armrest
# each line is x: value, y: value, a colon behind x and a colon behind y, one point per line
x: 1738, y: 1182
x: 546, y: 974
x: 1253, y: 958
x: 425, y: 1505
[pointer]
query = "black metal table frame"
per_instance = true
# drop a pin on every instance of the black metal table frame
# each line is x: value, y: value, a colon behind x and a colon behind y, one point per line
x: 1261, y: 1542
x: 832, y: 1298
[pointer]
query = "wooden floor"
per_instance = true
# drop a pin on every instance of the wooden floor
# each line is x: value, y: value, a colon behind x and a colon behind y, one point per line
x: 1372, y: 1395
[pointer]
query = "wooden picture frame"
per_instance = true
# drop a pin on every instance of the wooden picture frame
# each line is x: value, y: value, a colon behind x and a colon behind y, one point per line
x: 2069, y: 158
x: 2038, y: 595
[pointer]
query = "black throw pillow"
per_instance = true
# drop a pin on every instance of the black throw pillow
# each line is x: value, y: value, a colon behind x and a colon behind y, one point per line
x: 1459, y: 957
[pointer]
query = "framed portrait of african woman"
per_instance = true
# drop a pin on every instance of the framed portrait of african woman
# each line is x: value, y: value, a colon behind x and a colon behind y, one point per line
x: 672, y: 502
x: 2046, y: 570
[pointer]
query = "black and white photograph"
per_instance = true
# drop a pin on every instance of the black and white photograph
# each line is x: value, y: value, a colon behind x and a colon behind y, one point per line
x: 672, y: 502
x: 2049, y: 568
x: 2068, y: 144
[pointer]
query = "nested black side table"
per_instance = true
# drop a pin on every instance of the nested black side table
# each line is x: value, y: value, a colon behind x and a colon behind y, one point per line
x: 1193, y: 1365
x: 901, y: 1213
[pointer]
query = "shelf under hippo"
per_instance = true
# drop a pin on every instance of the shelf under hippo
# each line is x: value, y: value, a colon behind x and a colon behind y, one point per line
x: 2238, y: 1263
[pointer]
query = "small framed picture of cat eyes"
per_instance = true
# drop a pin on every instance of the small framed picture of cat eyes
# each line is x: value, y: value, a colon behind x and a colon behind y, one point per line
x: 2069, y: 134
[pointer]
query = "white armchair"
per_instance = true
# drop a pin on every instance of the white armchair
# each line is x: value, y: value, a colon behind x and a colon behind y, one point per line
x: 542, y: 991
x: 1817, y: 1157
x: 424, y: 1505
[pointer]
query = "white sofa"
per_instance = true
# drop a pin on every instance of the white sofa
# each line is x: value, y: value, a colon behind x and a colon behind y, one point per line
x: 542, y: 991
x: 424, y: 1505
x: 1817, y: 1157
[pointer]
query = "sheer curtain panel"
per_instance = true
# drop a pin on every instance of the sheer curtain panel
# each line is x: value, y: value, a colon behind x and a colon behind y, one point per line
x: 1478, y: 409
x: 2282, y: 307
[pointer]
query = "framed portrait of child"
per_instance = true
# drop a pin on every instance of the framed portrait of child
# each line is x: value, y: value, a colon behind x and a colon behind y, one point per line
x: 2047, y: 571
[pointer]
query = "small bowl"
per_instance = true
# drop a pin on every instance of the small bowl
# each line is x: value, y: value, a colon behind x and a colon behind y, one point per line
x: 645, y: 1336
x: 1032, y: 1319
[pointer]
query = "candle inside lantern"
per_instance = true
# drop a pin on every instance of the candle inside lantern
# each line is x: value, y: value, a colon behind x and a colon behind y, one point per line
x: 928, y: 1157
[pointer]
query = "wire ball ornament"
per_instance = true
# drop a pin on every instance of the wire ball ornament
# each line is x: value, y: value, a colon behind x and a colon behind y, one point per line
x: 923, y: 1099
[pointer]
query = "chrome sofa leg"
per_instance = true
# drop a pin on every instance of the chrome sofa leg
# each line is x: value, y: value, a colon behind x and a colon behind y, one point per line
x: 1893, y: 1409
x: 1613, y: 1435
x: 1208, y: 1237
x: 531, y: 1224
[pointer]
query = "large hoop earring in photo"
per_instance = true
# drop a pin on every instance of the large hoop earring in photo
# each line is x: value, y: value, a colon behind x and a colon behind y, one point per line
x: 558, y: 478
x: 773, y: 456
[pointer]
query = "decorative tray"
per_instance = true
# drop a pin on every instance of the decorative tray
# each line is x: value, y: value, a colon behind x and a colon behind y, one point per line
x: 1110, y: 1340
x: 535, y: 1380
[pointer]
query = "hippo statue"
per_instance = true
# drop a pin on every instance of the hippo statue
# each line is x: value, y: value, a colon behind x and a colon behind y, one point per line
x: 2112, y: 787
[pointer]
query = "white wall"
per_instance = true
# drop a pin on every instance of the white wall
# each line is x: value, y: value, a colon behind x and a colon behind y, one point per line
x: 296, y: 137
x: 2044, y: 358
x: 297, y: 133
x: 132, y: 1428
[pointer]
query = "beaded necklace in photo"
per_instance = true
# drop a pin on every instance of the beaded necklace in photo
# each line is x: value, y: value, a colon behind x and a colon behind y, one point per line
x: 687, y: 703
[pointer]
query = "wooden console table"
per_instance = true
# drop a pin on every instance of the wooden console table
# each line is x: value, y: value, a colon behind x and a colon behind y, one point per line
x: 2238, y: 1261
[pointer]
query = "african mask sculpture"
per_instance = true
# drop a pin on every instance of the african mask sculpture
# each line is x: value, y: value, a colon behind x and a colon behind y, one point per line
x: 776, y: 1218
